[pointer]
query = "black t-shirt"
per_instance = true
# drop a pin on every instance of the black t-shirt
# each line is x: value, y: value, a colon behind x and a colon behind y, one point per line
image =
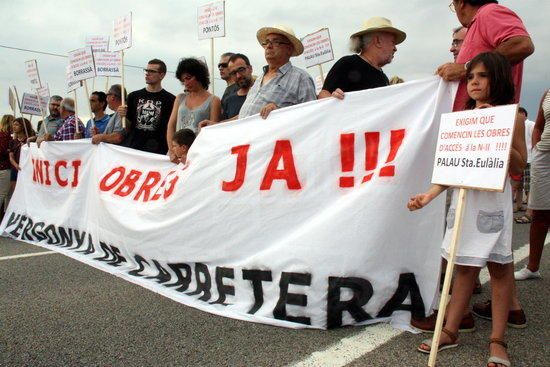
x: 352, y: 73
x: 231, y: 106
x: 230, y: 90
x: 149, y: 114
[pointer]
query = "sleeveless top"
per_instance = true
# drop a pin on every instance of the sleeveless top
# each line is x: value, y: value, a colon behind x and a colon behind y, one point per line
x: 190, y: 118
x: 544, y: 143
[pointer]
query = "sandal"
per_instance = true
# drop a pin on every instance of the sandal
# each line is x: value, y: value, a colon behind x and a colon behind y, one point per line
x: 498, y: 360
x: 523, y: 219
x: 444, y: 346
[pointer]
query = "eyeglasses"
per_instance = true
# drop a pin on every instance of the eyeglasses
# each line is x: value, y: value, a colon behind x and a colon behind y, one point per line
x: 240, y: 70
x: 273, y: 43
x: 150, y: 71
x: 452, y: 6
x: 223, y: 65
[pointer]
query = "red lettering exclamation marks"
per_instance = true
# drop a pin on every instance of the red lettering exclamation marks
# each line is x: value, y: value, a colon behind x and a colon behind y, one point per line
x: 396, y: 139
x: 372, y: 142
x: 347, y: 158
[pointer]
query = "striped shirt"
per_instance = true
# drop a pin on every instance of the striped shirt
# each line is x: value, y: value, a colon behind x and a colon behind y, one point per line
x: 290, y: 86
x: 544, y: 143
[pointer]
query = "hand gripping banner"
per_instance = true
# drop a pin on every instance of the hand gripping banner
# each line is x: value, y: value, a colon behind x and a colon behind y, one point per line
x: 299, y: 220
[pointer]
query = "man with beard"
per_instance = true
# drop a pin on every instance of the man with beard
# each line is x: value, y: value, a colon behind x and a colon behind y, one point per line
x: 51, y: 123
x: 148, y: 111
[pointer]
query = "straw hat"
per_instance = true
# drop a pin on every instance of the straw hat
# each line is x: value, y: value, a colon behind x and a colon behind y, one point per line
x: 284, y: 31
x: 379, y: 24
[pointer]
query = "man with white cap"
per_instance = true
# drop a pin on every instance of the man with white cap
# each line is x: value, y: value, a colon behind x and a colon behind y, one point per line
x: 281, y: 84
x: 374, y: 46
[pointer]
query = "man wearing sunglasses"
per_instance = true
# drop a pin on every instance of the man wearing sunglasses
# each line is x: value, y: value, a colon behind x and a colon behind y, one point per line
x: 225, y: 74
x: 148, y: 111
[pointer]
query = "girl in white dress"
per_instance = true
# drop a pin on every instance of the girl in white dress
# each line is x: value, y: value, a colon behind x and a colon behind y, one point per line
x: 486, y: 237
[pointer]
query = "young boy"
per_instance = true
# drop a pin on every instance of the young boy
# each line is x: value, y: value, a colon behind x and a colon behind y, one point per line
x: 181, y: 142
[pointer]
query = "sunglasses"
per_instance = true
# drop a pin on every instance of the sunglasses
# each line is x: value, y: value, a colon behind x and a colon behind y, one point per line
x: 223, y: 65
x: 150, y: 71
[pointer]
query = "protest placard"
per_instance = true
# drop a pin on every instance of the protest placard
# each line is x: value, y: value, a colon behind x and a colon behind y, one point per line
x: 211, y: 20
x: 98, y: 43
x: 317, y: 48
x: 473, y: 148
x: 108, y: 63
x: 11, y: 100
x: 44, y: 94
x: 29, y: 104
x: 32, y: 73
x: 121, y: 35
x: 81, y: 64
x: 69, y: 82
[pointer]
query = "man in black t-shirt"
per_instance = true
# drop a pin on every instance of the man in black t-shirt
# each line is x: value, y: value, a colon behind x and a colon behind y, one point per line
x: 148, y: 110
x: 375, y: 47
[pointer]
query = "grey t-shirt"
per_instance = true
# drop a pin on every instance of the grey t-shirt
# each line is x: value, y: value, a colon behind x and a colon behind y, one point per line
x: 115, y: 125
x: 52, y: 123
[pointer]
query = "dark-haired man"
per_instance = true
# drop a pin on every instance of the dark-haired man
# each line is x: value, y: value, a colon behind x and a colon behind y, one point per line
x: 459, y: 34
x: 52, y: 122
x: 225, y: 74
x: 98, y: 104
x: 491, y: 27
x: 115, y: 132
x: 148, y: 111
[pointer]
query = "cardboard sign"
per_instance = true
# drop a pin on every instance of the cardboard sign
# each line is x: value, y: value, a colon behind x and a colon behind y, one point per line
x: 81, y: 64
x: 121, y: 35
x: 108, y: 63
x: 32, y: 73
x: 29, y: 104
x: 70, y: 83
x: 211, y: 20
x: 317, y: 48
x: 98, y: 43
x: 44, y: 94
x: 473, y: 148
x: 11, y: 100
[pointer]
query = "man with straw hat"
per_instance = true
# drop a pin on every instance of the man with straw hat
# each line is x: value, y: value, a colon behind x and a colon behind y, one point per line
x: 374, y: 46
x: 281, y: 84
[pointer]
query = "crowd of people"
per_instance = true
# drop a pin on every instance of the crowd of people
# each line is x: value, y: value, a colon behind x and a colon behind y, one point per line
x: 488, y: 48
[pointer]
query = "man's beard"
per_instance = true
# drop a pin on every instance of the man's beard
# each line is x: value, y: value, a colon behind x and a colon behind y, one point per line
x: 244, y: 83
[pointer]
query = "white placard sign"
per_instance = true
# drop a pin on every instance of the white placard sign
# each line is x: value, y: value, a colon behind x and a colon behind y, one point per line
x: 121, y: 36
x: 317, y: 48
x: 473, y: 148
x: 211, y: 20
x: 70, y: 83
x: 32, y: 73
x: 44, y: 94
x: 81, y: 64
x: 107, y: 63
x: 98, y: 43
x: 29, y: 104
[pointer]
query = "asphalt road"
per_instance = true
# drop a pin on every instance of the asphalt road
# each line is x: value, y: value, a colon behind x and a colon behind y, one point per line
x: 55, y: 311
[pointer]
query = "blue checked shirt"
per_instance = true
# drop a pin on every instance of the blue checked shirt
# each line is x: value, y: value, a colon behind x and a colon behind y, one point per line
x: 291, y: 86
x: 68, y: 129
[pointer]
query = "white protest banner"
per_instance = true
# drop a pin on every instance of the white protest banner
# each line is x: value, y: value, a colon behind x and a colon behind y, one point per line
x: 81, y: 64
x: 29, y: 104
x: 473, y: 148
x: 121, y: 34
x: 11, y: 100
x: 317, y: 48
x: 71, y: 84
x: 31, y: 68
x: 108, y: 63
x: 44, y: 94
x: 261, y: 224
x: 98, y: 43
x: 211, y: 20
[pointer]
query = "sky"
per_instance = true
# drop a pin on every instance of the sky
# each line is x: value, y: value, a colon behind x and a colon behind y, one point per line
x: 167, y: 29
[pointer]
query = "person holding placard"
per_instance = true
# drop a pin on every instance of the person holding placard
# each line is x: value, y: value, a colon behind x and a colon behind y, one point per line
x: 68, y: 130
x: 375, y: 47
x: 194, y: 106
x: 114, y: 132
x: 98, y: 104
x: 51, y: 123
x: 281, y: 84
x: 539, y: 197
x: 487, y: 233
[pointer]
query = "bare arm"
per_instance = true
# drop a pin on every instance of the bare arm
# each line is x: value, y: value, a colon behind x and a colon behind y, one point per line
x: 215, y: 109
x: 516, y: 49
x: 171, y: 129
x: 13, y: 162
x: 539, y: 123
x: 113, y: 138
x: 421, y: 200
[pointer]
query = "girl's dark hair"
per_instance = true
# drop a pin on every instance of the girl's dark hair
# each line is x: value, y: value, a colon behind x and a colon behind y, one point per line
x: 184, y: 137
x: 501, y: 84
x: 194, y: 68
x: 25, y: 123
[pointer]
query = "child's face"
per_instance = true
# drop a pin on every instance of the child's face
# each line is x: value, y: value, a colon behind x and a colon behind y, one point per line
x: 180, y: 151
x: 16, y: 127
x: 479, y: 84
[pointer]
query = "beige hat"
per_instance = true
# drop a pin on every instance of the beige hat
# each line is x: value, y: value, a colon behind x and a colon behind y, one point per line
x: 284, y: 31
x: 379, y: 24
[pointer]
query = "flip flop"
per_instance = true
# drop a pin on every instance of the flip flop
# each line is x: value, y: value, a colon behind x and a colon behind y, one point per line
x: 498, y: 360
x: 444, y: 346
x: 524, y: 219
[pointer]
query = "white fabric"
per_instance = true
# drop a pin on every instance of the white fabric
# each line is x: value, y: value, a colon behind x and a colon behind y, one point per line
x: 539, y: 196
x: 529, y: 126
x: 321, y: 231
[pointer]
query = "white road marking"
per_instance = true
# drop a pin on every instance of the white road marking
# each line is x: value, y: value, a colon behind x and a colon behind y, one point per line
x: 27, y: 255
x: 354, y: 347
